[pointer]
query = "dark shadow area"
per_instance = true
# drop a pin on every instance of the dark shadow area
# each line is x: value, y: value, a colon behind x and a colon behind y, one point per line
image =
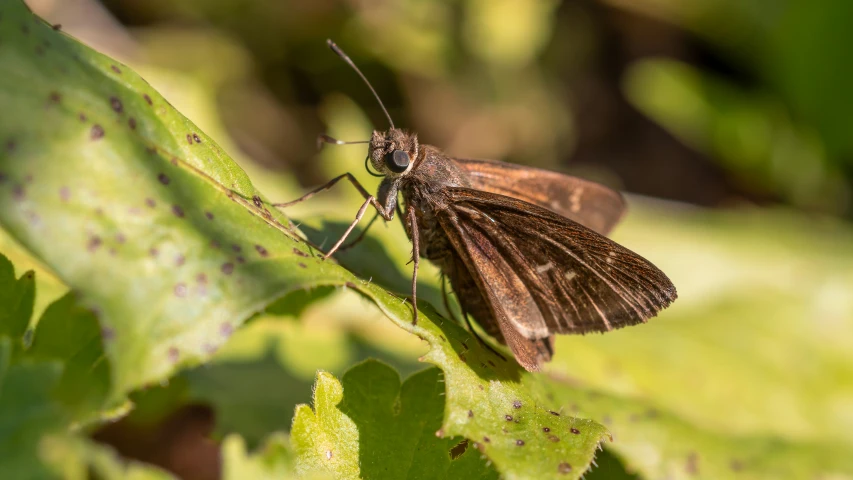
x: 369, y: 260
x: 233, y: 390
x: 487, y: 364
x: 178, y: 426
x: 294, y: 303
x: 397, y: 425
x: 609, y: 468
x: 362, y: 350
x: 179, y: 443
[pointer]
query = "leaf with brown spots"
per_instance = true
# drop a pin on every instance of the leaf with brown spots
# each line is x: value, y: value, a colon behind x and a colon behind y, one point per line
x: 124, y: 211
x: 725, y: 384
x: 157, y: 316
x: 662, y: 445
x: 393, y: 424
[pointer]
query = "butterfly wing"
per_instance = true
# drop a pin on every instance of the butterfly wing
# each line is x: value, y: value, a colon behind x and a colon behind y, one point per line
x: 542, y: 273
x: 489, y: 290
x: 588, y: 203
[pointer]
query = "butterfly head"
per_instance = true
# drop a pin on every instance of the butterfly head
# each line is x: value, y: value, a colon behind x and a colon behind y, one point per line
x: 393, y: 152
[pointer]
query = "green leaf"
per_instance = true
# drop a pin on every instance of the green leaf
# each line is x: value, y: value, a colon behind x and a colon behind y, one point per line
x: 130, y: 201
x: 250, y: 397
x: 660, y: 445
x: 16, y: 300
x: 272, y: 461
x: 59, y: 378
x: 279, y: 358
x: 28, y: 412
x: 492, y: 402
x: 371, y: 426
x: 489, y: 401
x: 66, y: 334
x: 48, y: 287
x: 177, y: 248
x: 70, y: 335
x: 29, y: 409
x: 751, y: 367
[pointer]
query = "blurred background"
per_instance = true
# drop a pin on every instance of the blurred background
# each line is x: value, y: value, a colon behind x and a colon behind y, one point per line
x: 709, y: 102
x: 728, y: 121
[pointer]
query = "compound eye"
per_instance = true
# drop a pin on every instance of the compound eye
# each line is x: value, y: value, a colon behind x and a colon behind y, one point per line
x: 397, y: 161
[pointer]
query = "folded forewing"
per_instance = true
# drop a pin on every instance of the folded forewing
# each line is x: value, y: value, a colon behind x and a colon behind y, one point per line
x: 579, y: 281
x: 591, y: 204
x: 512, y: 305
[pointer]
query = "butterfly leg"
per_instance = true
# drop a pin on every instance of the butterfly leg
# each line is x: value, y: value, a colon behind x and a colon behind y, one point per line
x: 368, y: 200
x: 416, y: 255
x: 477, y: 336
x: 331, y: 183
x: 445, y: 299
x: 364, y: 232
x: 361, y: 235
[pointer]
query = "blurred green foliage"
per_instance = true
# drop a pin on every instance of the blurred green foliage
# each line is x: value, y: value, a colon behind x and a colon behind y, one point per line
x: 758, y: 88
x: 746, y: 376
x: 369, y: 425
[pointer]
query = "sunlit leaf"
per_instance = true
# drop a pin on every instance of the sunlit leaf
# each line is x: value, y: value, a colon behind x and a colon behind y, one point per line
x: 762, y: 327
x: 120, y: 184
x: 272, y: 461
x: 163, y: 236
x: 659, y: 445
x: 370, y: 425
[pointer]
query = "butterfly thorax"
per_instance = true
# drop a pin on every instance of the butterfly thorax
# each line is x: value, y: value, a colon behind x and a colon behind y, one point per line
x: 426, y: 191
x: 423, y: 189
x: 422, y: 174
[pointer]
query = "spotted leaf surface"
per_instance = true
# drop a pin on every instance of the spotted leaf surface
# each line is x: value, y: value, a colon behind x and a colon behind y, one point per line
x: 165, y: 240
x: 370, y: 425
x: 160, y: 232
x: 660, y: 445
x: 759, y: 352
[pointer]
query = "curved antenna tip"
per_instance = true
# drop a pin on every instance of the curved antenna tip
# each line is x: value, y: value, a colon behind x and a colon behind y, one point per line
x: 335, y: 48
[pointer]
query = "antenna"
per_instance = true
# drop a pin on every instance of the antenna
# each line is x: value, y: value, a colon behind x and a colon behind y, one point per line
x: 346, y: 58
x: 323, y: 138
